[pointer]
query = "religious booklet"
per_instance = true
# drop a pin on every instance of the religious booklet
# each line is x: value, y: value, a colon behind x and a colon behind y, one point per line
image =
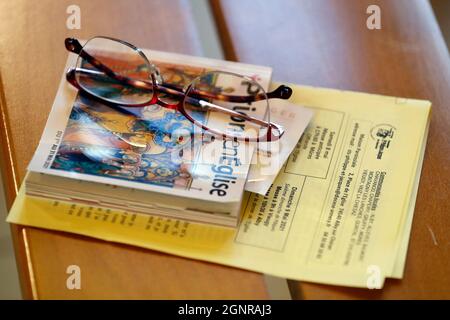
x: 91, y: 153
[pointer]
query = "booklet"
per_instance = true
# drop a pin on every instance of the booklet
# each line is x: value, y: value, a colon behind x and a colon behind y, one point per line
x: 130, y: 159
x: 339, y: 212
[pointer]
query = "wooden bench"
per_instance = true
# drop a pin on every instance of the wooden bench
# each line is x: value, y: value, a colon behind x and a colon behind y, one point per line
x: 322, y: 43
x: 326, y: 43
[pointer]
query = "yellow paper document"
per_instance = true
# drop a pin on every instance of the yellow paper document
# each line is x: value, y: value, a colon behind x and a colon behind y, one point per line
x: 339, y: 212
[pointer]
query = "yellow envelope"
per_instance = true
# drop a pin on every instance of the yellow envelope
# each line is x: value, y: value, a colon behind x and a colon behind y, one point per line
x: 339, y: 212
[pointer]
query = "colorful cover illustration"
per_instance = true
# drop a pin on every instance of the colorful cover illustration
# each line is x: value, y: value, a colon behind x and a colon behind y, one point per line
x: 135, y: 144
x: 148, y: 148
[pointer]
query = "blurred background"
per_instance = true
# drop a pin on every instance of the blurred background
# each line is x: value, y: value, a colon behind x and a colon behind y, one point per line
x: 9, y: 283
x: 442, y: 11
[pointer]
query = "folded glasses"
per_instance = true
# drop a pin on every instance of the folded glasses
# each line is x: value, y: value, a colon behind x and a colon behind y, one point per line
x: 227, y: 105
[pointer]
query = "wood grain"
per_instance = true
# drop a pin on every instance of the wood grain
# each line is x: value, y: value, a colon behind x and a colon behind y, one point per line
x: 32, y: 58
x: 326, y: 43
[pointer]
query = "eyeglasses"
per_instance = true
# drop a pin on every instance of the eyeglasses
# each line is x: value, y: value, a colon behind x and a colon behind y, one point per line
x: 228, y: 105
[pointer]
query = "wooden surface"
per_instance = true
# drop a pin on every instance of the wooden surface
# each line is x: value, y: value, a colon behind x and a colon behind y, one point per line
x: 326, y: 43
x: 32, y: 58
x: 322, y: 43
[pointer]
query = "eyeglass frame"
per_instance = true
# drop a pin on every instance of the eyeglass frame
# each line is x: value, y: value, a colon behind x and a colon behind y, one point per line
x: 157, y: 86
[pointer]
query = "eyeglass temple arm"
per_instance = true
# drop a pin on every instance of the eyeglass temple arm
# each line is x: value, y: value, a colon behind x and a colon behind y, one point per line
x: 73, y: 45
x: 206, y: 104
x: 266, y: 124
x: 282, y: 92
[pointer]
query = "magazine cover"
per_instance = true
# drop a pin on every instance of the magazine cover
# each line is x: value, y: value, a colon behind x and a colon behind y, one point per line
x: 150, y: 148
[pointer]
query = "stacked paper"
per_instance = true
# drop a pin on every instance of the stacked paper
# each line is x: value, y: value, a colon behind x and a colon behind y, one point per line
x: 339, y: 211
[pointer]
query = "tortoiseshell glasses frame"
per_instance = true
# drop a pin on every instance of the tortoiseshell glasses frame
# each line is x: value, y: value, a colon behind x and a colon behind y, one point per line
x: 155, y: 85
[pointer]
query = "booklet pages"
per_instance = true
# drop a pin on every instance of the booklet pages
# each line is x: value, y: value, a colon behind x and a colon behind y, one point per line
x: 146, y: 159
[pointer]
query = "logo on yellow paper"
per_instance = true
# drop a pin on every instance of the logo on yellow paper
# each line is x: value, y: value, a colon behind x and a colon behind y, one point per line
x: 383, y: 134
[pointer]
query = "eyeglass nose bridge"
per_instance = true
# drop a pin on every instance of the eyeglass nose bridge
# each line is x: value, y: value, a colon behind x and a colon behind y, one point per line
x: 156, y: 73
